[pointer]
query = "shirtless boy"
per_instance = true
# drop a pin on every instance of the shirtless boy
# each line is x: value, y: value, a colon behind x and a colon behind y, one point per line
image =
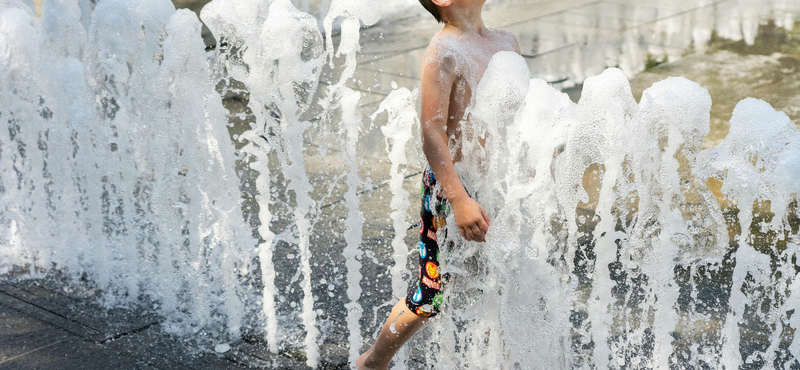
x: 453, y: 65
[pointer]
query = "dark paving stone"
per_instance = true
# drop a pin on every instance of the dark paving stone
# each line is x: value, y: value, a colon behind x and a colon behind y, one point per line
x: 171, y: 352
x: 113, y: 322
x: 28, y: 343
x: 88, y: 321
x: 47, y: 316
x: 73, y: 354
x: 20, y: 334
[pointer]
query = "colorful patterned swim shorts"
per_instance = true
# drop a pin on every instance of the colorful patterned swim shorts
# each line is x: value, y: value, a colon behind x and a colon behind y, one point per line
x: 425, y: 297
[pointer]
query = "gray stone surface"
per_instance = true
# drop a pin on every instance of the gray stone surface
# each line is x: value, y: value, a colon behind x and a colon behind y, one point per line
x: 28, y: 342
x: 20, y: 334
x: 47, y: 330
x: 70, y: 313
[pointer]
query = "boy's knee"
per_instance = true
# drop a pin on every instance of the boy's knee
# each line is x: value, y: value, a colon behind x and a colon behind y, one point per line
x: 422, y: 305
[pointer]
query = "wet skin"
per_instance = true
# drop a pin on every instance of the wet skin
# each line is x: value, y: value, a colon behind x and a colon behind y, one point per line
x: 455, y: 60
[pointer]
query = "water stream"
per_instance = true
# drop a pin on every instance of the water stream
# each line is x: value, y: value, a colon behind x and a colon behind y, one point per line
x: 617, y: 240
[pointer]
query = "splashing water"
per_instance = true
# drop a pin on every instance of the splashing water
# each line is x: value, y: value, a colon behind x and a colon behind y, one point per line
x: 114, y: 185
x: 616, y: 241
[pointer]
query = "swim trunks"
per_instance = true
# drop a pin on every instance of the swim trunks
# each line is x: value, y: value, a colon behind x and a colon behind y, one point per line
x: 425, y: 297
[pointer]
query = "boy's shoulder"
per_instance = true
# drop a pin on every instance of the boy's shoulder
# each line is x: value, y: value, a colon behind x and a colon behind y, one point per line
x: 445, y: 43
x: 448, y: 49
x: 443, y: 49
x: 509, y: 38
x: 505, y: 35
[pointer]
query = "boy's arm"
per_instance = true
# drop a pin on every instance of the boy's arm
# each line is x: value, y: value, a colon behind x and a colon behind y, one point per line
x: 438, y: 78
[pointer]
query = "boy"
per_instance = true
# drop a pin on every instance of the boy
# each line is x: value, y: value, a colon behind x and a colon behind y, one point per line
x: 453, y: 65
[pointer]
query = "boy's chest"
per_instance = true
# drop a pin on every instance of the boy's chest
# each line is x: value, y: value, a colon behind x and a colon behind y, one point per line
x: 474, y: 64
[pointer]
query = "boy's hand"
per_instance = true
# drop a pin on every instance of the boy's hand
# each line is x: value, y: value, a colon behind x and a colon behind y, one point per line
x: 471, y: 218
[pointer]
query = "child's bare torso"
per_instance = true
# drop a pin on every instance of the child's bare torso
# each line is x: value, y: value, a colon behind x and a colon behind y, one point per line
x: 466, y: 55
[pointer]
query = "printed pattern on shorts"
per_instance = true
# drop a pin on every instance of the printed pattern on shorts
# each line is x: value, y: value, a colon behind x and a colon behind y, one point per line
x: 425, y: 297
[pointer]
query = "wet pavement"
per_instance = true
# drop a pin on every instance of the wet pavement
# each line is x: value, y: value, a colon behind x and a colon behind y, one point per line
x: 732, y: 71
x: 44, y: 325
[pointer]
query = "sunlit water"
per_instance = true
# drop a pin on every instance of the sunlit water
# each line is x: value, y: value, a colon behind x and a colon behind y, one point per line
x: 609, y: 246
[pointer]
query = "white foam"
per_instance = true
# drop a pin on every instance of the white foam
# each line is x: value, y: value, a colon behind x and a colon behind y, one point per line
x: 650, y: 203
x: 398, y: 132
x: 121, y: 109
x: 402, y: 118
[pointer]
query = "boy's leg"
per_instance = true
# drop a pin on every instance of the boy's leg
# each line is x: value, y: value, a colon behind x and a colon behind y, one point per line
x: 424, y: 297
x: 401, y: 325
